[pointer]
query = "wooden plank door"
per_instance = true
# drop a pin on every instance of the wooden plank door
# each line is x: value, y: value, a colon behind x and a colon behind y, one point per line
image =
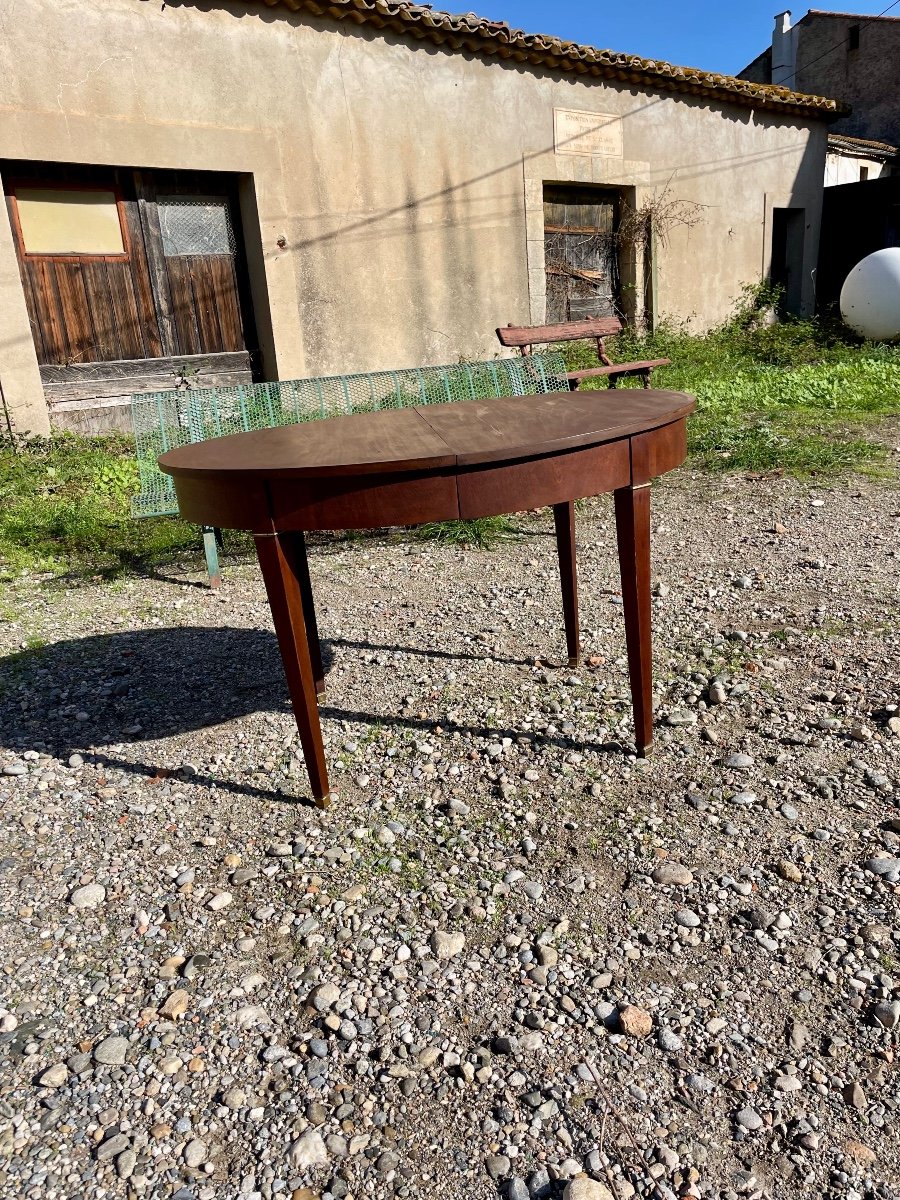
x: 580, y: 252
x: 134, y: 281
x: 194, y: 247
x: 79, y: 245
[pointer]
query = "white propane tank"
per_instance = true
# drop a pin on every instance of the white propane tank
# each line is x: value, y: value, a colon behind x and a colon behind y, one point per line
x: 870, y: 297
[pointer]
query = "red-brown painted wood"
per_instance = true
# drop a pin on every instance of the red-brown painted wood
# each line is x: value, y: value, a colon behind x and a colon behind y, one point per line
x: 633, y: 535
x: 595, y: 329
x: 409, y: 465
x: 564, y: 331
x: 564, y: 521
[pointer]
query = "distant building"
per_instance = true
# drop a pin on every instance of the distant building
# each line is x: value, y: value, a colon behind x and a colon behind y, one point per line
x: 209, y: 192
x: 853, y: 58
x: 856, y: 160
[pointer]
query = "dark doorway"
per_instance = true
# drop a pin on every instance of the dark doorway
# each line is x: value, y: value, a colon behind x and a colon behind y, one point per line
x: 581, y: 252
x: 857, y: 220
x: 788, y: 229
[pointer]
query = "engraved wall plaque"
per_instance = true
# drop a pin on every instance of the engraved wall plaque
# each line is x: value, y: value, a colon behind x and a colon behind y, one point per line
x: 576, y: 132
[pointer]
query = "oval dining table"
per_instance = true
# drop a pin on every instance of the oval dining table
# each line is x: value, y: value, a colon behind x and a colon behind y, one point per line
x: 439, y: 462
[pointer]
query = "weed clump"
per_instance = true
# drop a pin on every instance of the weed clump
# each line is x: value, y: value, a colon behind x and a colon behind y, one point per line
x: 791, y: 396
x: 796, y: 396
x: 65, y: 504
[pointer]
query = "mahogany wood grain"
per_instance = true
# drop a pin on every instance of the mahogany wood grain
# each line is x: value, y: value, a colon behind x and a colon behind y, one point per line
x: 654, y: 454
x: 363, y: 501
x: 219, y: 503
x: 432, y: 437
x: 564, y: 522
x: 633, y: 536
x: 281, y: 572
x: 491, y: 490
x: 406, y: 466
x: 511, y: 427
x: 297, y: 544
x: 391, y: 441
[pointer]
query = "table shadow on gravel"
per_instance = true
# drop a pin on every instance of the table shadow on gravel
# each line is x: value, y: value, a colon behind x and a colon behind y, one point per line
x: 150, y: 684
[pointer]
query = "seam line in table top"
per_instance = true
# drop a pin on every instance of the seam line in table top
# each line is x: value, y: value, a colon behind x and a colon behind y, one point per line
x: 450, y: 450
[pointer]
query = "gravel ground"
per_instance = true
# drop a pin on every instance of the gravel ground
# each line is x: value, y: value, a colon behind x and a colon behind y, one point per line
x: 510, y: 960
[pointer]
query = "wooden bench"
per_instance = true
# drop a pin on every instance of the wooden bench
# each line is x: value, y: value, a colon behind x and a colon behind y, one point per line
x: 523, y: 337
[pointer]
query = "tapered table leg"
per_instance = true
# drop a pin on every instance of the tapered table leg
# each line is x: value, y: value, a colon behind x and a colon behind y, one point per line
x: 281, y: 569
x: 633, y: 532
x: 297, y: 544
x: 564, y: 519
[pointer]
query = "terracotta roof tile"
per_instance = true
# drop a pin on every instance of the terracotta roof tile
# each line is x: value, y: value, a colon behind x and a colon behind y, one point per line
x: 843, y: 141
x: 494, y: 39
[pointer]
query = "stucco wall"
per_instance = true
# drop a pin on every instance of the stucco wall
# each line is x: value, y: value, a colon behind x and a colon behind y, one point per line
x: 845, y: 168
x: 404, y: 179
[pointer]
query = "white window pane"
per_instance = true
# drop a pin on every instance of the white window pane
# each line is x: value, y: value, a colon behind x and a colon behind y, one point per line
x: 63, y: 221
x: 195, y: 225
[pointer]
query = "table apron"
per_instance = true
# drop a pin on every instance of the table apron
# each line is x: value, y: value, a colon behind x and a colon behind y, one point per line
x: 227, y: 503
x: 658, y: 451
x: 363, y: 501
x: 412, y: 498
x: 514, y: 487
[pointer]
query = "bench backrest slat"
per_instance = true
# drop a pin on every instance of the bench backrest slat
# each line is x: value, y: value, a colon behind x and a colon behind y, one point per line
x: 567, y: 331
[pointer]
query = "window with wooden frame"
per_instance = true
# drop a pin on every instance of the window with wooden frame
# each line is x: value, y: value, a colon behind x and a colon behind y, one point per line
x: 69, y: 222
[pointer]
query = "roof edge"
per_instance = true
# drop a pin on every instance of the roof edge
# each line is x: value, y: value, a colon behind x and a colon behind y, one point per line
x: 494, y: 39
x: 863, y: 18
x: 866, y: 147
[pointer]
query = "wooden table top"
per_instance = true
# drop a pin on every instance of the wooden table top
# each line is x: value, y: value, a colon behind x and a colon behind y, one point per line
x: 434, y: 437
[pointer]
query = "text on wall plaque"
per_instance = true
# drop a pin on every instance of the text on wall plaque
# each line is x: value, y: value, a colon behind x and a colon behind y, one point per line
x: 576, y: 132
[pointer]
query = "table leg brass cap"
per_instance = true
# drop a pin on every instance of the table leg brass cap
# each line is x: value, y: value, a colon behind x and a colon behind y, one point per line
x: 324, y: 801
x: 574, y: 660
x: 643, y: 751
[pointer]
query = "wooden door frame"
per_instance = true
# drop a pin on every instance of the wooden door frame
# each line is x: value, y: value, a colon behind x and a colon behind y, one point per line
x: 591, y: 193
x: 53, y: 185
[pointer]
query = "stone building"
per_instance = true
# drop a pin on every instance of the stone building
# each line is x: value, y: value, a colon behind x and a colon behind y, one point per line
x: 854, y: 58
x: 208, y: 191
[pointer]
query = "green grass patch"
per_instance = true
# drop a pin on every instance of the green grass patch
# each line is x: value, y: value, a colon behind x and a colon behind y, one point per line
x: 482, y: 534
x: 65, y: 508
x: 801, y: 397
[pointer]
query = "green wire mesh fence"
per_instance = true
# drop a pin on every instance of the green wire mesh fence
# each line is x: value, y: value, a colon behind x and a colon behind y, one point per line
x: 163, y: 420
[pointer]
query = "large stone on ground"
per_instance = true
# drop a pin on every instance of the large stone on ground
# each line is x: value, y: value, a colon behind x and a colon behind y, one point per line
x: 582, y: 1187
